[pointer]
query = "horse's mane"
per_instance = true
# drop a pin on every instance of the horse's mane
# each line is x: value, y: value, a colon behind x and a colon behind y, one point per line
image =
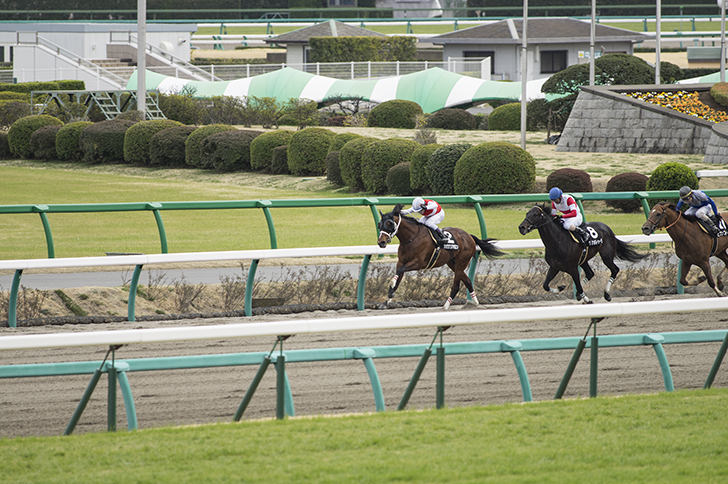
x: 397, y: 211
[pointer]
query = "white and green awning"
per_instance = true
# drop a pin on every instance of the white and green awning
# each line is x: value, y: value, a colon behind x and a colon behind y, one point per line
x: 433, y: 89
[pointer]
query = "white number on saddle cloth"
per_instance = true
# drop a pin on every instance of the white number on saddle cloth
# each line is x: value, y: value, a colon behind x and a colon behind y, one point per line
x: 450, y: 243
x: 722, y: 228
x: 594, y: 238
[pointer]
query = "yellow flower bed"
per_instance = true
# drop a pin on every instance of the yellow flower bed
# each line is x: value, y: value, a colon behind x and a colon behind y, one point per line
x: 686, y: 102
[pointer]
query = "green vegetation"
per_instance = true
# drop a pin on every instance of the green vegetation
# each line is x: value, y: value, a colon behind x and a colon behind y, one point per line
x: 666, y: 438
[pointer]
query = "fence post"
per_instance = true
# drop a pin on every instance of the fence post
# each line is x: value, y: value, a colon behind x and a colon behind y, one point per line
x: 41, y: 210
x: 248, y: 304
x: 13, y: 299
x: 716, y: 364
x: 131, y: 305
x: 361, y: 285
x: 155, y: 206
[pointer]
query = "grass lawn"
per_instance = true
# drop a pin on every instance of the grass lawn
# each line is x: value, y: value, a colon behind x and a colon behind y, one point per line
x: 666, y: 438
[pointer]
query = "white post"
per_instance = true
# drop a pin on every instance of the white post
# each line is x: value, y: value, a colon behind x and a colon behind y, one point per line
x: 722, y: 40
x: 524, y: 73
x: 142, y: 57
x: 397, y: 67
x: 592, y: 34
x: 658, y: 34
x: 369, y: 69
x: 212, y: 72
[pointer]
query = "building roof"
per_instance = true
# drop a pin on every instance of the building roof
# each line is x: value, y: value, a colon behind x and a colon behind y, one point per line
x: 540, y: 31
x: 331, y: 28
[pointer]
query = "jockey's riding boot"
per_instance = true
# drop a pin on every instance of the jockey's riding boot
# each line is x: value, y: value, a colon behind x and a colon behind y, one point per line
x: 441, y: 237
x: 712, y: 229
x: 583, y: 236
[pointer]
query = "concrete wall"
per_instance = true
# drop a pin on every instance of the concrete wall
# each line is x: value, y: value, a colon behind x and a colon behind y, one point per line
x: 604, y: 120
x: 717, y: 150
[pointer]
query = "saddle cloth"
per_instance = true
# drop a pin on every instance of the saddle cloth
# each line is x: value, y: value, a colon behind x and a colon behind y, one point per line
x: 593, y: 236
x: 720, y: 225
x: 450, y: 243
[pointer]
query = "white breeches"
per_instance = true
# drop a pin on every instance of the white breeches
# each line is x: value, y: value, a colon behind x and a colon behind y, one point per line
x: 572, y: 222
x: 701, y: 213
x: 433, y: 220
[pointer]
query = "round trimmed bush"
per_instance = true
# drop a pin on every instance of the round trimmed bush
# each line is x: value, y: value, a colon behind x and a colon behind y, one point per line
x: 341, y: 139
x: 569, y: 180
x: 398, y: 179
x: 103, y: 142
x: 419, y: 180
x: 67, y: 141
x: 193, y: 144
x: 167, y: 147
x: 333, y: 170
x: 138, y: 137
x: 452, y: 118
x: 12, y: 111
x: 184, y: 109
x: 21, y: 130
x: 379, y: 157
x: 43, y: 142
x: 4, y: 147
x: 494, y: 167
x: 279, y: 162
x: 505, y: 118
x: 229, y: 150
x: 307, y: 151
x: 627, y: 182
x: 671, y: 176
x: 441, y: 167
x: 350, y: 157
x: 719, y: 92
x: 261, y: 148
x: 396, y: 113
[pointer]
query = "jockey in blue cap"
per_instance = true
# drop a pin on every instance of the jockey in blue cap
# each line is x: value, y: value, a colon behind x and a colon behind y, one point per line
x: 699, y: 205
x: 571, y: 218
x: 432, y: 214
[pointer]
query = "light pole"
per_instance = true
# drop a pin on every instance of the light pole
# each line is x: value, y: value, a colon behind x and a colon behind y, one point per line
x: 142, y: 57
x: 524, y: 73
x: 658, y: 34
x: 721, y: 3
x: 592, y: 34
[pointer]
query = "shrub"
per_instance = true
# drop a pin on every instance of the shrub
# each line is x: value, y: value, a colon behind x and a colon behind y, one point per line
x: 67, y: 141
x: 341, y: 139
x: 180, y: 108
x: 441, y: 167
x: 362, y: 48
x: 537, y: 115
x: 627, y: 182
x: 452, y: 118
x: 12, y: 111
x: 396, y: 113
x: 279, y: 162
x: 43, y: 142
x: 379, y: 157
x: 505, y: 118
x: 131, y: 115
x: 669, y: 72
x: 671, y: 176
x: 611, y: 69
x: 719, y: 92
x: 225, y: 110
x: 71, y: 85
x: 261, y: 148
x: 167, y: 147
x: 494, y: 167
x: 193, y: 144
x: 4, y: 147
x: 333, y: 170
x: 350, y: 157
x: 21, y: 130
x: 14, y: 96
x: 138, y: 137
x: 104, y: 142
x: 569, y: 180
x: 398, y: 179
x: 307, y: 151
x: 229, y: 150
x: 419, y: 179
x: 559, y: 110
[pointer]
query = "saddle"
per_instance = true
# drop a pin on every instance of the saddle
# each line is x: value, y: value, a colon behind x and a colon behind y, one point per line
x: 720, y: 225
x: 449, y: 243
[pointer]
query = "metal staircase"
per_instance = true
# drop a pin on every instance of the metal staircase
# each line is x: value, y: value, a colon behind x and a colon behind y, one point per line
x: 110, y: 103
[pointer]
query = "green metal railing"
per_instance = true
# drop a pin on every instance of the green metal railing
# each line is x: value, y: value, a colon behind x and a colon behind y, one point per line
x: 117, y: 369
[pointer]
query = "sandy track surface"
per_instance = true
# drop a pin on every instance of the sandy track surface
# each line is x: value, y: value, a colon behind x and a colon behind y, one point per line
x: 44, y: 405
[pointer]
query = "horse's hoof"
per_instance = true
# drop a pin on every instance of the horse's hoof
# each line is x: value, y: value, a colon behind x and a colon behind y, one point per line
x: 607, y: 296
x: 720, y: 285
x: 562, y: 287
x: 588, y: 301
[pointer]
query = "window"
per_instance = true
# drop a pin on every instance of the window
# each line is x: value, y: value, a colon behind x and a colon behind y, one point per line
x: 553, y: 61
x: 482, y: 54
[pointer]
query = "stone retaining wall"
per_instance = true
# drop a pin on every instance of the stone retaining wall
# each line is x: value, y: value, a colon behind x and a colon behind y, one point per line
x: 605, y: 120
x: 717, y: 149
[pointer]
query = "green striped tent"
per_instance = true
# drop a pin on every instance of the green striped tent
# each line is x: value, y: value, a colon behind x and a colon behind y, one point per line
x: 433, y: 89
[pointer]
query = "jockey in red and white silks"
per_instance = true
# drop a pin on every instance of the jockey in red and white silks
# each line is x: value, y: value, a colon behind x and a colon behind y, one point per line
x: 432, y: 212
x: 563, y: 202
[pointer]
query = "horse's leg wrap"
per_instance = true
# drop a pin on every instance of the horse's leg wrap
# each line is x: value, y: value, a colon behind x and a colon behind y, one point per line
x: 584, y: 298
x: 609, y: 284
x: 394, y: 280
x: 554, y: 290
x: 474, y: 298
x: 447, y: 304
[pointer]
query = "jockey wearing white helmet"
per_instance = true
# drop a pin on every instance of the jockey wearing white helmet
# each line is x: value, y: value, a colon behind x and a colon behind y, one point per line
x: 432, y: 214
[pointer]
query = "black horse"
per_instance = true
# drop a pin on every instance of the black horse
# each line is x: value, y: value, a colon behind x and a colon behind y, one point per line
x: 564, y: 254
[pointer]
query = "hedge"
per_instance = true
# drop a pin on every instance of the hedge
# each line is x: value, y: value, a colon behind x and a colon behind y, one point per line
x: 350, y: 157
x: 398, y: 179
x: 193, y: 144
x: 419, y: 174
x: 229, y: 150
x: 452, y: 118
x: 505, y: 118
x: 261, y: 148
x: 67, y: 141
x: 671, y: 176
x: 396, y: 113
x: 167, y: 147
x: 494, y: 167
x: 379, y: 157
x: 333, y: 170
x: 184, y: 109
x: 4, y: 146
x: 43, y: 142
x: 627, y: 182
x: 307, y: 151
x: 364, y: 48
x: 137, y: 139
x: 104, y: 141
x: 279, y: 163
x: 441, y: 167
x: 341, y: 139
x: 569, y: 180
x: 21, y: 130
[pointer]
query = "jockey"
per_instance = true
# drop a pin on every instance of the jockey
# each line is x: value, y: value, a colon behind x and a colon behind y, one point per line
x: 571, y: 218
x: 432, y: 214
x: 699, y: 206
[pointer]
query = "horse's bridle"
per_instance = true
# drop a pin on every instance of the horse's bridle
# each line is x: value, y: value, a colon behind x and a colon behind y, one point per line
x: 661, y: 216
x: 547, y: 219
x: 394, y: 232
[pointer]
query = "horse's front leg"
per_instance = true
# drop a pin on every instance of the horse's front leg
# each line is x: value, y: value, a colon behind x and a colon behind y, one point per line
x: 396, y: 280
x: 684, y: 269
x: 550, y: 277
x: 580, y: 295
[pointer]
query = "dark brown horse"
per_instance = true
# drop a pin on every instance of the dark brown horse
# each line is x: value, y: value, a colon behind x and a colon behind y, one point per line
x: 563, y: 254
x: 692, y: 245
x: 418, y: 250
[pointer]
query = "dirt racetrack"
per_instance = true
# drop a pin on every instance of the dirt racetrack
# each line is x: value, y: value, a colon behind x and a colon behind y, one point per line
x: 44, y: 405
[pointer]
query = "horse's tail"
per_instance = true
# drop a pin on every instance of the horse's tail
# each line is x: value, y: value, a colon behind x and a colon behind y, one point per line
x: 487, y: 247
x: 627, y: 252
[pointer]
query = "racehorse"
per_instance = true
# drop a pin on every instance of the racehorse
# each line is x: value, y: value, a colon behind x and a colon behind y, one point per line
x: 418, y: 250
x: 564, y: 254
x: 692, y: 245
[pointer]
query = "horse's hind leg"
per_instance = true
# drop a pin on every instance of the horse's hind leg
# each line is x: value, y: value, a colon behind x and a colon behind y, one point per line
x: 588, y: 272
x: 613, y: 271
x: 459, y: 275
x: 705, y: 266
x: 719, y: 278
